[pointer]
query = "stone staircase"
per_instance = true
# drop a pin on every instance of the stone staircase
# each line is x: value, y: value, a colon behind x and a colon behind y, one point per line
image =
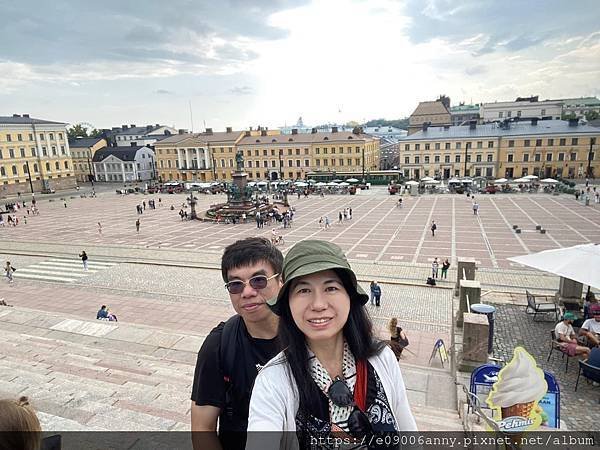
x: 93, y: 375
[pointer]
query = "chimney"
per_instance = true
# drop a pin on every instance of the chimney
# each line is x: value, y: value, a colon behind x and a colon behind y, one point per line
x: 26, y: 115
x: 313, y: 131
x: 425, y: 126
x: 133, y: 144
x: 229, y: 129
x: 263, y: 132
x: 209, y: 131
x: 124, y: 127
x: 16, y: 115
x: 250, y: 128
x: 534, y: 121
x: 294, y: 130
x: 573, y: 122
x: 334, y: 129
x: 157, y: 125
x: 446, y: 127
x: 182, y: 131
x: 472, y: 124
x: 167, y: 133
x: 132, y: 125
x: 148, y: 127
x: 247, y: 133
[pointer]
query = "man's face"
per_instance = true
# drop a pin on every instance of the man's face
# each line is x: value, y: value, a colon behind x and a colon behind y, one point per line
x: 251, y: 303
x: 596, y: 315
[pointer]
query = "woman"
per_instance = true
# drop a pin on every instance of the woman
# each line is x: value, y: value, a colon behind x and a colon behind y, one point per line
x: 84, y: 259
x: 333, y: 376
x: 398, y: 339
x: 19, y: 426
x: 9, y: 270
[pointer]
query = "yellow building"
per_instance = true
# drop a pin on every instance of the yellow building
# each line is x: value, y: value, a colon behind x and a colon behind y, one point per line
x: 82, y: 152
x: 550, y: 148
x: 34, y: 155
x: 292, y: 156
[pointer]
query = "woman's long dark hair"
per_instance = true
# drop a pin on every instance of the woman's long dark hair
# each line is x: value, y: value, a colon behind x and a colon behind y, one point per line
x: 358, y: 333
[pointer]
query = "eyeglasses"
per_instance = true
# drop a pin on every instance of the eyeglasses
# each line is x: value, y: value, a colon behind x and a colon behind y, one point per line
x: 258, y: 282
x: 358, y: 422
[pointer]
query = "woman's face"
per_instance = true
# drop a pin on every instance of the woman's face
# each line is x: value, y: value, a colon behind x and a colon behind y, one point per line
x: 319, y: 305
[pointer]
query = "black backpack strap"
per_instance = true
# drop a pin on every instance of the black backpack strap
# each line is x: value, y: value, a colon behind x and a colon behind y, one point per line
x: 227, y: 356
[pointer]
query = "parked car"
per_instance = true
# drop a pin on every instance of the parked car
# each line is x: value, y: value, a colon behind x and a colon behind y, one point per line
x: 491, y: 189
x: 393, y: 189
x: 48, y: 191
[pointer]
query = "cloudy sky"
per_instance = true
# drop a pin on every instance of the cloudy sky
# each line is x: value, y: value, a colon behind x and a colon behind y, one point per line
x: 265, y: 62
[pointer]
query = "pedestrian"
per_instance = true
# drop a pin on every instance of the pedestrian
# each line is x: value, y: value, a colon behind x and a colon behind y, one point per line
x: 321, y: 222
x: 434, y: 268
x: 445, y: 267
x: 99, y: 228
x: 376, y: 293
x: 398, y: 339
x: 400, y: 202
x: 257, y: 219
x: 9, y: 270
x: 181, y: 214
x: 340, y: 217
x: 65, y: 203
x: 475, y: 208
x: 137, y: 225
x: 433, y: 228
x: 349, y: 213
x: 327, y: 222
x: 159, y: 201
x: 144, y: 203
x: 84, y: 260
x: 372, y: 296
x: 1, y: 221
x: 25, y: 220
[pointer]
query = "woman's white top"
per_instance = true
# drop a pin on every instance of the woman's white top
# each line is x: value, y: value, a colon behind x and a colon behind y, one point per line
x: 274, y: 402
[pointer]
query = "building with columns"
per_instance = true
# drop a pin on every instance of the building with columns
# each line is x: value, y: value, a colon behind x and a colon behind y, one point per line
x: 126, y: 164
x: 34, y: 155
x: 549, y: 148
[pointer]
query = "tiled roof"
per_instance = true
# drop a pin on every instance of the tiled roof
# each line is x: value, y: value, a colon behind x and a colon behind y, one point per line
x: 306, y: 138
x: 122, y: 153
x: 429, y: 108
x: 83, y: 142
x: 543, y: 127
x: 19, y: 120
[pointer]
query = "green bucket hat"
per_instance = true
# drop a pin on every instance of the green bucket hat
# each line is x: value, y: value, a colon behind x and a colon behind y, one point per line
x: 312, y: 256
x: 569, y: 316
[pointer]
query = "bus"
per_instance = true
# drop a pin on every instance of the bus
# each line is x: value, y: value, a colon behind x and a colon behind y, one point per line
x: 381, y: 177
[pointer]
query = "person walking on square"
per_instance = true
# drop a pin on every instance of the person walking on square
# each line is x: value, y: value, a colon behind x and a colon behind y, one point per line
x: 340, y: 217
x: 321, y: 222
x: 327, y: 223
x: 84, y: 260
x: 433, y: 228
x: 445, y: 267
x: 376, y: 290
x: 434, y: 268
x: 65, y: 203
x: 475, y: 208
x: 144, y: 203
x: 349, y: 213
x: 99, y: 228
x: 137, y: 226
x: 9, y: 270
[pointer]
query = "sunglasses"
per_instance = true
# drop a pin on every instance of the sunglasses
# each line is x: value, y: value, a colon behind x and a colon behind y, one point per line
x: 258, y: 282
x: 340, y: 395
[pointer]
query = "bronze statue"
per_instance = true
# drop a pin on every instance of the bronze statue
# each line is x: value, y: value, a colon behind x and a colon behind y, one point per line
x: 239, y: 160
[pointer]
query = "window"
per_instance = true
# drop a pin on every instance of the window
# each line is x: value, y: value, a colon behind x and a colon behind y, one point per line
x: 22, y: 153
x: 256, y: 152
x: 447, y: 159
x: 417, y: 160
x: 479, y: 144
x: 500, y: 114
x: 537, y: 157
x: 325, y: 151
x: 325, y: 162
x: 318, y: 162
x: 490, y: 158
x: 60, y: 135
x: 11, y: 152
x: 426, y: 160
x: 51, y: 136
x: 318, y: 151
x: 563, y: 141
x: 561, y: 156
x: 48, y: 167
x: 490, y: 144
x: 518, y: 113
x: 543, y: 112
x: 8, y: 138
x: 457, y: 146
x: 510, y: 158
x: 35, y: 168
x: 509, y: 114
x: 427, y: 146
x: 265, y: 152
x: 41, y: 136
x: 2, y: 171
x: 478, y: 158
x: 406, y: 160
x: 574, y: 141
x: 53, y: 150
x: 14, y: 170
x: 468, y: 158
x: 550, y: 142
x: 19, y: 137
x: 437, y: 145
x: 468, y: 145
x: 573, y: 156
x: 525, y: 157
x: 538, y: 142
x: 30, y: 136
x: 406, y: 147
x: 511, y: 143
x: 349, y: 162
x: 307, y: 162
x: 417, y: 146
x: 548, y: 156
x: 67, y: 165
x: 457, y: 158
x: 526, y: 143
x: 447, y: 146
x: 488, y: 171
x: 289, y: 163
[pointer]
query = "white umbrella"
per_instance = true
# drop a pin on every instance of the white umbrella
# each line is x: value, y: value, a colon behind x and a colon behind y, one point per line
x: 320, y: 183
x: 352, y: 180
x: 579, y: 263
x: 332, y: 183
x: 521, y: 180
x: 336, y: 181
x: 412, y: 183
x: 501, y: 181
x: 425, y: 179
x: 432, y: 182
x: 343, y: 183
x: 301, y: 183
x: 531, y: 177
x: 311, y: 181
x: 549, y: 181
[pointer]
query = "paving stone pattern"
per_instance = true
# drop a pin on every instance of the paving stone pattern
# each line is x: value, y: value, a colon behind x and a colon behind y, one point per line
x: 579, y: 410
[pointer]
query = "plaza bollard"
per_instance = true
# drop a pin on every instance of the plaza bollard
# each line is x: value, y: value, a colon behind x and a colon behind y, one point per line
x: 518, y: 231
x: 543, y: 231
x: 488, y: 310
x: 538, y: 227
x: 515, y: 227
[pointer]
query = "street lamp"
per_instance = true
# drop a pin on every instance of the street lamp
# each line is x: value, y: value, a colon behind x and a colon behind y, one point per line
x: 192, y: 202
x: 29, y: 174
x: 280, y: 164
x: 363, y: 164
x: 590, y: 157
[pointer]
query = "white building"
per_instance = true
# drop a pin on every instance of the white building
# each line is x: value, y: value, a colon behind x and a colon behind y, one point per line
x: 391, y: 133
x: 521, y: 109
x: 146, y: 135
x: 134, y: 163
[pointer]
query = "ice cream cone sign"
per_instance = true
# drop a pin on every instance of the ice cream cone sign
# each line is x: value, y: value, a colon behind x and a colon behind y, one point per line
x: 514, y: 397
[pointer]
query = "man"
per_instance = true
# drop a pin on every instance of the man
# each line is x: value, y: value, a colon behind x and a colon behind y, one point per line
x: 234, y: 352
x: 475, y: 208
x: 566, y: 337
x: 433, y: 228
x: 434, y: 268
x: 102, y: 313
x: 376, y: 291
x: 591, y: 327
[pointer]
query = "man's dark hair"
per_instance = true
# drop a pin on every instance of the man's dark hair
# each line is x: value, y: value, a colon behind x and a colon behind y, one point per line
x: 250, y: 251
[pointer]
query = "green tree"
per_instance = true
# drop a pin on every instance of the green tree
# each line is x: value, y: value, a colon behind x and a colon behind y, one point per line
x: 95, y: 133
x: 591, y: 115
x: 568, y: 116
x: 76, y: 131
